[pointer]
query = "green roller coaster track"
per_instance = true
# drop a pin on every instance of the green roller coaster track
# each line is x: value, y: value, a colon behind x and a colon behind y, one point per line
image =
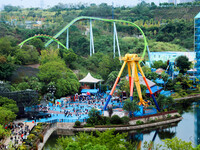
x: 42, y: 36
x: 101, y: 19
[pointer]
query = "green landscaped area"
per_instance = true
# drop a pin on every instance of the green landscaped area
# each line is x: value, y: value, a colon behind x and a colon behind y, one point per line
x: 86, y: 81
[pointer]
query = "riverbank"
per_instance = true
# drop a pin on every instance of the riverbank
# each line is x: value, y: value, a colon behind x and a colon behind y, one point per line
x: 68, y: 129
x: 128, y: 128
x: 187, y: 97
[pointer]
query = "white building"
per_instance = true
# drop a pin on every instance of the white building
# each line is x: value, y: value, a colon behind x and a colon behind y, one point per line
x: 186, y: 1
x: 173, y: 1
x: 171, y: 56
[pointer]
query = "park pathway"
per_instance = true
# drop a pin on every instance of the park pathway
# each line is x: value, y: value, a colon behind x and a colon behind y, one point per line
x: 18, y: 136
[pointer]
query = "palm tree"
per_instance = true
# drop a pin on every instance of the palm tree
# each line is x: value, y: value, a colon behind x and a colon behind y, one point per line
x: 110, y: 111
x: 165, y: 102
x: 130, y: 106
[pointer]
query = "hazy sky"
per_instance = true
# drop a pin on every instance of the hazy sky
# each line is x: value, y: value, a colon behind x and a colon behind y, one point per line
x: 49, y: 3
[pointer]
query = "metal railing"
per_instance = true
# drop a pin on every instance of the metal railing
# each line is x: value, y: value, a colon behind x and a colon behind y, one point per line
x: 66, y: 120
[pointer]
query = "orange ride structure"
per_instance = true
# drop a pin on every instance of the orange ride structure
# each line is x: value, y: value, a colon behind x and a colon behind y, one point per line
x: 133, y: 62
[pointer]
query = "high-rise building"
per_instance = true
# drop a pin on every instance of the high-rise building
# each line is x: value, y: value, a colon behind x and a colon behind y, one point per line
x: 41, y: 4
x: 186, y: 1
x: 173, y: 1
x: 197, y: 42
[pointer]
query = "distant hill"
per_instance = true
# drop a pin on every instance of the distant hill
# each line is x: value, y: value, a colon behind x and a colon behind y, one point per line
x: 187, y: 13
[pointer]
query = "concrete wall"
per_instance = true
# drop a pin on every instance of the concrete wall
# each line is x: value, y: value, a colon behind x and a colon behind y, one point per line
x: 133, y: 122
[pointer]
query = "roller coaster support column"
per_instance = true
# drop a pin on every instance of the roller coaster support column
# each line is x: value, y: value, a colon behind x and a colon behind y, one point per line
x: 117, y: 40
x: 67, y: 40
x: 114, y: 39
x: 115, y: 84
x: 91, y: 39
x: 145, y: 80
x: 58, y: 46
x: 149, y: 56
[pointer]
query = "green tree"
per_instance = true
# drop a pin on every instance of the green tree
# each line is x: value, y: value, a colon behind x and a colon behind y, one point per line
x: 159, y: 64
x: 3, y: 132
x: 37, y: 43
x: 102, y: 141
x: 183, y: 81
x: 8, y: 104
x: 69, y: 56
x: 6, y: 68
x: 35, y: 84
x: 94, y: 117
x: 165, y: 77
x: 182, y: 62
x: 130, y: 106
x: 165, y: 102
x: 177, y: 144
x: 51, y: 71
x: 6, y: 116
x: 23, y: 86
x: 49, y: 55
x: 5, y: 47
x: 124, y: 86
x: 66, y: 86
x: 151, y: 75
x: 107, y: 65
x: 110, y: 111
x: 112, y: 77
x: 27, y: 55
x: 73, y: 146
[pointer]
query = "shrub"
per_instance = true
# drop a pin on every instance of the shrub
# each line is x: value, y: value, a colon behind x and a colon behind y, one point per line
x: 176, y: 116
x: 37, y: 127
x: 106, y: 120
x: 151, y: 120
x: 169, y: 116
x: 31, y: 137
x: 22, y: 147
x: 34, y: 132
x: 189, y: 91
x: 115, y: 119
x: 182, y: 94
x: 41, y: 137
x: 78, y: 123
x: 88, y: 125
x: 39, y: 124
x: 139, y: 122
x: 125, y: 119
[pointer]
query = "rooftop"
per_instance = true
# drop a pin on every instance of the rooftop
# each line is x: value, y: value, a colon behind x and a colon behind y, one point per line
x: 197, y: 16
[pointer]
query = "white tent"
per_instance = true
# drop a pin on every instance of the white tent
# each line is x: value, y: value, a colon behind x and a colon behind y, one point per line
x: 89, y: 79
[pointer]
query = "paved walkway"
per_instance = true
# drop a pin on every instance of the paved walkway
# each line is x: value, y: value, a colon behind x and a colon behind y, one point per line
x: 15, y: 137
x: 46, y: 137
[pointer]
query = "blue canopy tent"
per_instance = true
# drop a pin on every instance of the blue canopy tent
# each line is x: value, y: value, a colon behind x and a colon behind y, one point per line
x: 155, y: 89
x: 92, y: 91
x: 159, y: 81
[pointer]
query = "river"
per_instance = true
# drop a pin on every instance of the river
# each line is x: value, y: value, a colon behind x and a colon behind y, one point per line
x: 187, y: 129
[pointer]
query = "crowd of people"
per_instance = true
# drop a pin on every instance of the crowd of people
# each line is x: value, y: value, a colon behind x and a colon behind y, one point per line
x: 19, y: 132
x: 80, y: 105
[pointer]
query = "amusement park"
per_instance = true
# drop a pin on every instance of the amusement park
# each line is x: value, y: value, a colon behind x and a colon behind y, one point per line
x: 81, y: 82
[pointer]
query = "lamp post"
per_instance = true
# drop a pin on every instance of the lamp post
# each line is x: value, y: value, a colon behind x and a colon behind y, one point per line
x: 52, y: 90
